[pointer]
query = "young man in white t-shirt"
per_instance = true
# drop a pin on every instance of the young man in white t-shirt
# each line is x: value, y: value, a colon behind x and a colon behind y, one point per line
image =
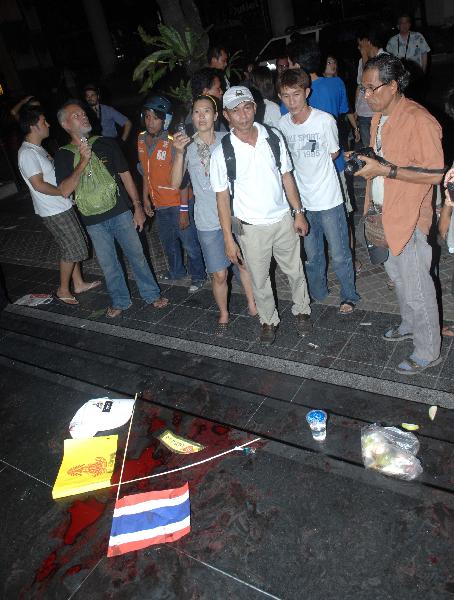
x: 52, y: 204
x: 312, y: 138
x: 261, y: 211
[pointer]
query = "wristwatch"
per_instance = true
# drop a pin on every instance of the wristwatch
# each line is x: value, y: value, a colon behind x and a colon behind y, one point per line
x: 297, y: 211
x: 392, y: 172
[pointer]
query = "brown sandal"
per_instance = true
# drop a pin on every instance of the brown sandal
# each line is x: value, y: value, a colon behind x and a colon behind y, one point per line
x: 447, y: 331
x: 160, y: 302
x: 113, y: 313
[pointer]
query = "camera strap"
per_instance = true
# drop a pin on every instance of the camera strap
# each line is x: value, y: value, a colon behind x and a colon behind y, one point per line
x: 383, y: 161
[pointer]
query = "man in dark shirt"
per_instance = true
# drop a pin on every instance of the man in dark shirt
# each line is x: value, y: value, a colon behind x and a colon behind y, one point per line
x: 116, y: 224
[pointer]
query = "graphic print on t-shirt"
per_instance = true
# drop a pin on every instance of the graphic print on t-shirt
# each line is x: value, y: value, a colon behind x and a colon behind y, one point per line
x: 308, y: 144
x: 312, y: 145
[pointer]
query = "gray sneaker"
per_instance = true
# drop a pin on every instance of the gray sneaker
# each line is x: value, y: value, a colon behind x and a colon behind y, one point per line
x: 393, y: 335
x: 303, y: 324
x: 195, y: 287
x: 267, y: 334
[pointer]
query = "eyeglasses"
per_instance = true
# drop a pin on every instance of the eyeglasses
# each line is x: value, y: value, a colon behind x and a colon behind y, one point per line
x: 363, y: 90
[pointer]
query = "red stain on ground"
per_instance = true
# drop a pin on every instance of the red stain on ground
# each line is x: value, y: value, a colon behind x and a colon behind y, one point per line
x: 157, y: 424
x: 176, y: 420
x: 209, y: 434
x: 73, y: 570
x: 47, y: 568
x: 134, y: 468
x: 83, y: 514
x: 84, y: 551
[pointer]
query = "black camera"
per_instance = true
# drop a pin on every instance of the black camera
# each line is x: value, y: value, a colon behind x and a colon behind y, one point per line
x: 355, y: 164
x: 451, y: 190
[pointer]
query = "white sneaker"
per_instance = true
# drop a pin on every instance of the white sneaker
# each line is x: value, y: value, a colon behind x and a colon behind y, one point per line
x: 194, y: 287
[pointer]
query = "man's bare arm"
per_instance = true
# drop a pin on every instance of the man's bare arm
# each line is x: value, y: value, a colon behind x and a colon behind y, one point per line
x: 232, y: 251
x: 373, y: 168
x: 126, y: 130
x: 130, y: 186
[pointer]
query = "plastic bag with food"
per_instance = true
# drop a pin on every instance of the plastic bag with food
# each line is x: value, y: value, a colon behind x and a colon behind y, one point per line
x: 390, y: 451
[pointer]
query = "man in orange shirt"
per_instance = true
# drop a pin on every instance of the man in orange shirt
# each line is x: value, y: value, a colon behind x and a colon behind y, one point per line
x: 404, y: 134
x: 174, y: 212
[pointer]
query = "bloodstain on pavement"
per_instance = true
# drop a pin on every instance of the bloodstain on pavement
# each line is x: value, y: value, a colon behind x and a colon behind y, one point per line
x: 84, y: 539
x: 83, y: 514
x: 134, y: 468
x: 48, y: 567
x: 176, y: 420
x: 157, y: 424
x: 73, y: 570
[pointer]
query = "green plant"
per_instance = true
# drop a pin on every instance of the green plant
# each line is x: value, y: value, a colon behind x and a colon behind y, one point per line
x: 231, y: 69
x: 182, y: 92
x: 173, y: 50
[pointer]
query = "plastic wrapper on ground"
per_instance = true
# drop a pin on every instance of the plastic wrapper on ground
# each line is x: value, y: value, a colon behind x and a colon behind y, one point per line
x: 390, y: 451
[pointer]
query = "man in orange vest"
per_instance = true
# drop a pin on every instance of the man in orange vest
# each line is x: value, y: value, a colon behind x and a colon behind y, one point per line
x: 174, y: 212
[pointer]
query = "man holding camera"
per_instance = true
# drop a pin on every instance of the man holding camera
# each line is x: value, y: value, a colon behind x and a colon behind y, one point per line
x: 405, y: 135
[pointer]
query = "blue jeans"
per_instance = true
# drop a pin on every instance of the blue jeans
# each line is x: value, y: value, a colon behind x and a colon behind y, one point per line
x: 173, y: 239
x: 364, y: 130
x: 121, y: 229
x: 332, y: 224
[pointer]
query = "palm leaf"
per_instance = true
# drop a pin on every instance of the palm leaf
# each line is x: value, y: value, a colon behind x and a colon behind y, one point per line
x: 148, y: 62
x: 153, y: 78
x: 147, y: 39
x: 182, y: 92
x: 231, y: 68
x: 173, y: 40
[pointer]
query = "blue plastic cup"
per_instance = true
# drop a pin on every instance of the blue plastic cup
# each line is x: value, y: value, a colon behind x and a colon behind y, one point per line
x: 317, y: 422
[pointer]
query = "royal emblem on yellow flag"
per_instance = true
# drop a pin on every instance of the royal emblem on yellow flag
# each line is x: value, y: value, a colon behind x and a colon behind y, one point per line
x: 87, y: 465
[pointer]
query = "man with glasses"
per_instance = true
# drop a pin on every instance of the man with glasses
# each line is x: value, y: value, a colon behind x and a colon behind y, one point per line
x: 404, y: 134
x: 282, y: 64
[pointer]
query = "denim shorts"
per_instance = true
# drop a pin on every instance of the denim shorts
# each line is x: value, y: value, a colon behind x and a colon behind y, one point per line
x: 212, y: 244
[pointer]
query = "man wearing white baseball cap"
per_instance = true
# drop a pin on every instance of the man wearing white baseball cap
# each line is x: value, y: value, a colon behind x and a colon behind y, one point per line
x: 253, y: 167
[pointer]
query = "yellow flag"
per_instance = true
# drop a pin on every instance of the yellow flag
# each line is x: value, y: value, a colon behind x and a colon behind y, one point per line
x: 87, y: 465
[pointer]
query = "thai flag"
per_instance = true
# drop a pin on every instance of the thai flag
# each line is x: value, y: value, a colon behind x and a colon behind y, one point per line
x: 150, y: 518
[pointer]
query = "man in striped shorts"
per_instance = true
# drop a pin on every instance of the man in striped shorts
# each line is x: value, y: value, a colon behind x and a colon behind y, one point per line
x: 52, y: 204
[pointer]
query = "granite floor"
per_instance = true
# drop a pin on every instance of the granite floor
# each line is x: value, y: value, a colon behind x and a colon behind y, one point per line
x: 347, y: 343
x: 264, y: 525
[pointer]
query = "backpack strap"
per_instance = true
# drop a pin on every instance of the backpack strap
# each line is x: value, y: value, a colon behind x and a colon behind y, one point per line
x: 274, y: 143
x: 230, y: 161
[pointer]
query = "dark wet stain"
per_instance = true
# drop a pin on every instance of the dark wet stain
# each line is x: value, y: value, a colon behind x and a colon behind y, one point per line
x: 48, y: 567
x: 83, y: 514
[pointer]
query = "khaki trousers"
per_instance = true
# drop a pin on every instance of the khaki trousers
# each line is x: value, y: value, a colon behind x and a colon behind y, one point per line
x: 258, y: 244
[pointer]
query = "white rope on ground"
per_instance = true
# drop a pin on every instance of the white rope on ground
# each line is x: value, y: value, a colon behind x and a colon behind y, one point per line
x: 126, y: 449
x: 24, y: 472
x: 200, y: 462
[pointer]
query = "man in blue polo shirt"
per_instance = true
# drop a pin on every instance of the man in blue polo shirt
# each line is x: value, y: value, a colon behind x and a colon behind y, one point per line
x: 107, y: 116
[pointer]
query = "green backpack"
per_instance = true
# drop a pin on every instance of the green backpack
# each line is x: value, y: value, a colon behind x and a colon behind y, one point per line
x: 97, y: 191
